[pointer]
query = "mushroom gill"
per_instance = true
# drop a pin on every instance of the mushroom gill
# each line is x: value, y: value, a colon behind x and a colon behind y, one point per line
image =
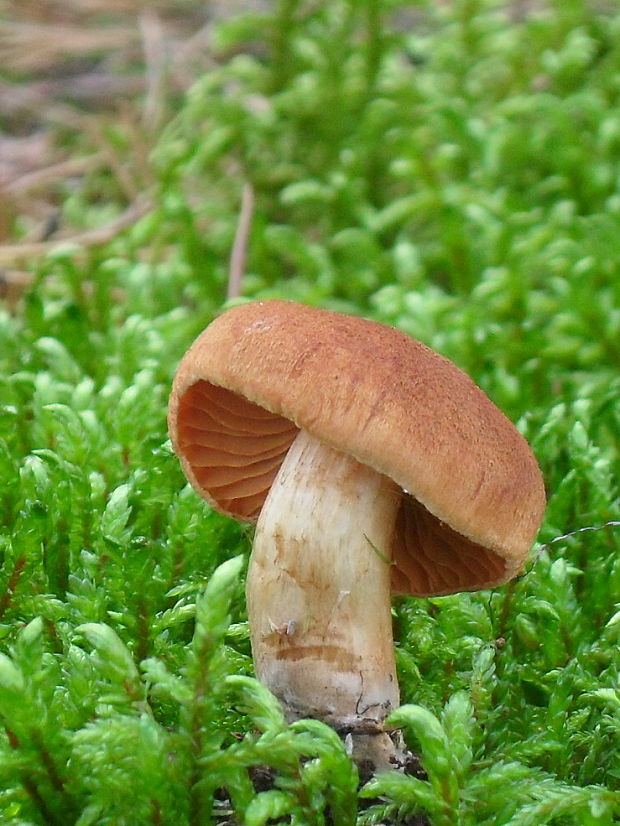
x: 234, y: 448
x: 431, y: 559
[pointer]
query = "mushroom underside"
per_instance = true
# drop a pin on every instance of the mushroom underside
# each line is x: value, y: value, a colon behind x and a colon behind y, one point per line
x: 233, y: 450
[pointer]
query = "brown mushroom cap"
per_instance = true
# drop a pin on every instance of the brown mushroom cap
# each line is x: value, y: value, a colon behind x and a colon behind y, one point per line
x: 473, y: 493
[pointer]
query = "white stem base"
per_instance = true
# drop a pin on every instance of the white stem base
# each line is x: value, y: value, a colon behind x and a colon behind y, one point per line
x: 318, y: 589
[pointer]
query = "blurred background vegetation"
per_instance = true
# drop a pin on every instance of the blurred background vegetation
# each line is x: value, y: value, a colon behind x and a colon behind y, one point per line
x: 451, y: 168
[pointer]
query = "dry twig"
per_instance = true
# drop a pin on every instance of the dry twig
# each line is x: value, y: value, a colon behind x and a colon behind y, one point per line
x: 29, y: 46
x: 14, y: 254
x: 62, y: 170
x: 238, y: 254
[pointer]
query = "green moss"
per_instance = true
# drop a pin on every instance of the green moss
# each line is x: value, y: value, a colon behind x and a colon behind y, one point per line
x: 450, y: 171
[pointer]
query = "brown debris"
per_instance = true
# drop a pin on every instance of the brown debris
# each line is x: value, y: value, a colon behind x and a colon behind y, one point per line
x: 94, y: 70
x: 12, y: 254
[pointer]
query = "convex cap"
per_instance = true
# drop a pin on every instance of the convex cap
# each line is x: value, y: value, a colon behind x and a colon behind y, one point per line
x: 473, y: 494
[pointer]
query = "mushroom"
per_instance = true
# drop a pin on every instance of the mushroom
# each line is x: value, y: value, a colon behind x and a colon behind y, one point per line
x: 370, y: 465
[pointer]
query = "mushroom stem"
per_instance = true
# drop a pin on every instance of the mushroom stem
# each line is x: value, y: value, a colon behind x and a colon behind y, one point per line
x: 318, y: 594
